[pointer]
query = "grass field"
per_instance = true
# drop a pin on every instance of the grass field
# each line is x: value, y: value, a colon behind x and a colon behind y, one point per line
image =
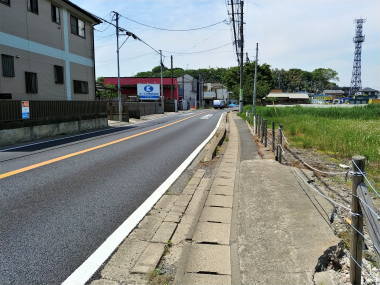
x: 339, y: 132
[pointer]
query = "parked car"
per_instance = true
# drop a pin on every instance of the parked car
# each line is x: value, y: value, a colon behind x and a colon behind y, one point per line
x: 219, y: 104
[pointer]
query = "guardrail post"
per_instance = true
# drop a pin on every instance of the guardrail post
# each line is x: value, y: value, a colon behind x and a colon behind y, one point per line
x: 262, y: 131
x: 273, y: 137
x: 356, y: 250
x: 280, y: 135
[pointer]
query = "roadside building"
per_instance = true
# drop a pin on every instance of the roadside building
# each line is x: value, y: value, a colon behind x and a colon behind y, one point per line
x: 213, y: 91
x: 188, y: 91
x: 47, y: 50
x: 369, y: 92
x: 287, y: 98
x: 136, y: 87
x: 334, y: 94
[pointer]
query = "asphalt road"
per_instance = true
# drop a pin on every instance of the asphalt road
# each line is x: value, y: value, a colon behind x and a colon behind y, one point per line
x: 54, y: 215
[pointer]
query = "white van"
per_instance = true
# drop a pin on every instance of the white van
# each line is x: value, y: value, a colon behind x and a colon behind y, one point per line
x: 219, y: 104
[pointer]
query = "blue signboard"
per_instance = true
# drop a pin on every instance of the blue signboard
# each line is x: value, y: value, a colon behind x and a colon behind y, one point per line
x: 148, y: 91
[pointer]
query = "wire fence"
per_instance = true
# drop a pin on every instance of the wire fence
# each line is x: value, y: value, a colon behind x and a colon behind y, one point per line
x: 361, y: 204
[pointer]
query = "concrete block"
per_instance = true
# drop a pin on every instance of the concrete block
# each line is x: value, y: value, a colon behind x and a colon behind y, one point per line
x: 174, y: 217
x: 219, y: 201
x: 206, y: 279
x: 222, y: 190
x: 149, y: 259
x: 166, y: 202
x: 214, y: 214
x: 123, y: 260
x: 164, y: 232
x: 147, y: 228
x: 209, y: 258
x: 181, y: 233
x: 212, y: 233
x: 178, y: 209
x: 223, y: 182
x: 183, y: 200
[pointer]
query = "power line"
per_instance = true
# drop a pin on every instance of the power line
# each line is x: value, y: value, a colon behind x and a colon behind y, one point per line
x: 176, y: 30
x: 199, y: 51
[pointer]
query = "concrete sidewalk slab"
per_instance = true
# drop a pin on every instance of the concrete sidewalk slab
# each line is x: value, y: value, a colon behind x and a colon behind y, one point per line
x: 214, y: 259
x: 219, y: 201
x: 206, y: 279
x: 281, y: 235
x: 216, y: 214
x: 212, y: 233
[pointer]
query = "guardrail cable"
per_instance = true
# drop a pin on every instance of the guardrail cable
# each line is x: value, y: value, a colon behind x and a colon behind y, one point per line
x: 324, y: 196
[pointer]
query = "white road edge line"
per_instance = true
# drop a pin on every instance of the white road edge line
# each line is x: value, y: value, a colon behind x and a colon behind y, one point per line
x: 82, y: 134
x: 85, y: 271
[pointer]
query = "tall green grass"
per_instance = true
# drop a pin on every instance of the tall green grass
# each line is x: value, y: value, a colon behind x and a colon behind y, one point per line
x: 339, y: 132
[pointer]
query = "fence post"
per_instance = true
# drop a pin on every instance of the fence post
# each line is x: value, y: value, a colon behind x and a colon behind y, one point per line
x: 280, y: 135
x: 262, y: 131
x: 356, y: 250
x: 273, y: 138
x: 265, y: 133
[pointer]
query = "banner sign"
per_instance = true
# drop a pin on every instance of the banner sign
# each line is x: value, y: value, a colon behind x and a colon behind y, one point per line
x: 148, y: 91
x: 25, y: 110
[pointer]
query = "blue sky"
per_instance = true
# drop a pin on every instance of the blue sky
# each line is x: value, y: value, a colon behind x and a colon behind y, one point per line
x: 303, y: 34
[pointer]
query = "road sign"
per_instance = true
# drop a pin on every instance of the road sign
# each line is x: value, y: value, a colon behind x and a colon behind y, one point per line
x: 148, y: 91
x: 25, y: 110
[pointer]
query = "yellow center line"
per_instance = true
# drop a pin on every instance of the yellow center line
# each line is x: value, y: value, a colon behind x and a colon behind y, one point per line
x: 60, y: 158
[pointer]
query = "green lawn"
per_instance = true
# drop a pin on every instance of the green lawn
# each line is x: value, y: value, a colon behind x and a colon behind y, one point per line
x: 339, y: 132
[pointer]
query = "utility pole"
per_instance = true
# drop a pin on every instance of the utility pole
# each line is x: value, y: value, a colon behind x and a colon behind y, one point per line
x: 241, y: 55
x: 118, y: 67
x: 171, y: 72
x: 255, y: 80
x: 162, y: 80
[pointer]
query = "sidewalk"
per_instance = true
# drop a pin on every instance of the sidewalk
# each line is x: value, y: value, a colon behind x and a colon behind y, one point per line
x: 260, y: 227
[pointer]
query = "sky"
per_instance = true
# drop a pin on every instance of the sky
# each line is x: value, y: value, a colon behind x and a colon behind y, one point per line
x: 306, y: 34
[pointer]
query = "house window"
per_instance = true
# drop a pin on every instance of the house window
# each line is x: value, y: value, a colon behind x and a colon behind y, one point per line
x: 55, y: 14
x: 80, y: 87
x: 5, y: 96
x: 31, y: 85
x: 78, y: 27
x: 6, y: 2
x: 58, y: 74
x: 33, y: 6
x: 8, y: 65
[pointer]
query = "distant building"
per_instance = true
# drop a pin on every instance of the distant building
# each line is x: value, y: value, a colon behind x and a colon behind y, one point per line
x: 129, y: 85
x: 46, y: 50
x: 188, y: 91
x: 334, y: 94
x: 214, y: 91
x: 288, y: 98
x: 369, y: 92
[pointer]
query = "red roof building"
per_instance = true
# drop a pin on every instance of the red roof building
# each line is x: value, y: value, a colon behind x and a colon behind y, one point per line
x: 129, y: 85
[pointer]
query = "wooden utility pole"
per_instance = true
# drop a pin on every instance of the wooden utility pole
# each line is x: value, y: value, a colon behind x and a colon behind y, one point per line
x: 172, y: 85
x: 118, y: 67
x: 241, y: 42
x: 255, y: 80
x: 162, y: 80
x: 356, y: 249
